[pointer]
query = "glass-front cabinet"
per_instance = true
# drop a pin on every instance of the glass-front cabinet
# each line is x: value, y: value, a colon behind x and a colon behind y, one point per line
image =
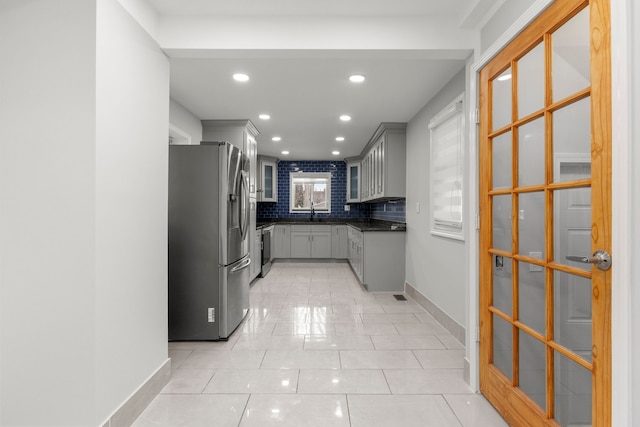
x: 268, y: 187
x: 353, y: 181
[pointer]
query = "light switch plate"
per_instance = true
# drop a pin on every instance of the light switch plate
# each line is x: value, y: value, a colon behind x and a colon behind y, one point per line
x: 533, y: 267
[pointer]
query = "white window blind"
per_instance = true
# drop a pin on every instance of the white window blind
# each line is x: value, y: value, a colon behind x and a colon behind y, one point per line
x: 447, y: 171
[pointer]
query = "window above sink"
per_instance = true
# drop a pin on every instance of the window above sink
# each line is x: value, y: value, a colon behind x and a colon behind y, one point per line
x: 310, y: 190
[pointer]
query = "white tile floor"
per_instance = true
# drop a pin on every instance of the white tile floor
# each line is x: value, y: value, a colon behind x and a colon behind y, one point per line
x: 318, y: 350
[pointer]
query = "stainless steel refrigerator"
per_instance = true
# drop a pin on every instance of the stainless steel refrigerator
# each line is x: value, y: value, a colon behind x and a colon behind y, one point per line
x: 208, y: 240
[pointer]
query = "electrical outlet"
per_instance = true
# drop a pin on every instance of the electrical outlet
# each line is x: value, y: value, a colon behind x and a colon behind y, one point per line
x: 347, y: 208
x: 211, y: 312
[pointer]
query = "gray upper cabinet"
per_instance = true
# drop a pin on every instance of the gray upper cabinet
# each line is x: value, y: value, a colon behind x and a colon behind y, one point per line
x: 383, y: 164
x: 268, y: 179
x: 240, y: 133
x: 353, y: 181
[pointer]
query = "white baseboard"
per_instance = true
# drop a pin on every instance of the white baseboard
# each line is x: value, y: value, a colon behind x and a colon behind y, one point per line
x: 454, y: 328
x: 131, y: 409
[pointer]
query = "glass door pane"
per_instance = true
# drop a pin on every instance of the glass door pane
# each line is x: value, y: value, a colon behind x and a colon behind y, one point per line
x: 531, y: 88
x: 503, y: 346
x: 572, y: 394
x: 533, y: 368
x: 531, y: 153
x: 572, y: 313
x: 572, y: 140
x: 268, y: 181
x: 502, y: 110
x: 571, y: 57
x: 502, y: 161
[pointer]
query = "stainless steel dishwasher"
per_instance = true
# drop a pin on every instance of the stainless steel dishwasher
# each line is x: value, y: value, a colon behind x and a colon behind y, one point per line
x: 267, y: 250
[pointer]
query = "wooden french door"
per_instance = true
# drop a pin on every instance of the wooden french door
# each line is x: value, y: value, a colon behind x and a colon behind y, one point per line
x: 545, y: 209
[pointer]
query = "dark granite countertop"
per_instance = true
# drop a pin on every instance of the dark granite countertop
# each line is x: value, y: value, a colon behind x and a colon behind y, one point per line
x: 361, y: 224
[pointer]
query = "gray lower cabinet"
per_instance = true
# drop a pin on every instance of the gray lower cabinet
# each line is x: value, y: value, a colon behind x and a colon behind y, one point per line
x: 355, y: 251
x: 255, y: 243
x: 300, y: 241
x: 339, y: 242
x: 378, y: 258
x: 256, y: 255
x: 282, y: 241
x: 320, y: 241
x: 311, y: 241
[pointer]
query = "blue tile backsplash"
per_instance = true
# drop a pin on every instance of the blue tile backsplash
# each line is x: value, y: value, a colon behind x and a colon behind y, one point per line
x: 389, y: 211
x: 394, y: 210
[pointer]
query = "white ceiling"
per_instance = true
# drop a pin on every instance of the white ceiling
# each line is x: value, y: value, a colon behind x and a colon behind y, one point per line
x: 306, y: 91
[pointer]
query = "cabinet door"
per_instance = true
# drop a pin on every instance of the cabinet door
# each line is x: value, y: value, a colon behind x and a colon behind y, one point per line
x: 255, y: 240
x: 251, y: 149
x: 360, y: 261
x: 339, y: 242
x: 374, y: 173
x: 300, y: 241
x: 282, y: 241
x: 380, y: 150
x: 321, y: 242
x: 364, y: 178
x: 256, y: 256
x: 350, y: 246
x: 268, y: 181
x: 300, y: 244
x: 353, y: 182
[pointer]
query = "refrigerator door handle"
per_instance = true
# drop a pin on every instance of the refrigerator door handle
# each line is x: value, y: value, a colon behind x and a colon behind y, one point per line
x: 244, y: 207
x: 242, y: 266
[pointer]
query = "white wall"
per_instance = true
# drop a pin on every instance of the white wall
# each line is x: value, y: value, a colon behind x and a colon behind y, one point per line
x: 434, y: 265
x: 504, y: 17
x: 634, y: 253
x: 210, y: 33
x: 131, y: 207
x: 185, y: 120
x: 634, y: 232
x: 47, y: 212
x: 82, y: 211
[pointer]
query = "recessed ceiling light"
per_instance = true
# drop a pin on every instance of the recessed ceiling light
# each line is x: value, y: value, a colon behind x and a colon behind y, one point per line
x: 276, y: 138
x: 264, y: 117
x: 340, y: 138
x: 335, y: 153
x: 504, y: 78
x: 286, y: 153
x: 240, y: 77
x: 345, y: 118
x: 356, y: 78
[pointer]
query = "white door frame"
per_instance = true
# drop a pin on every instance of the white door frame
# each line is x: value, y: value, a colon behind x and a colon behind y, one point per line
x: 623, y: 57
